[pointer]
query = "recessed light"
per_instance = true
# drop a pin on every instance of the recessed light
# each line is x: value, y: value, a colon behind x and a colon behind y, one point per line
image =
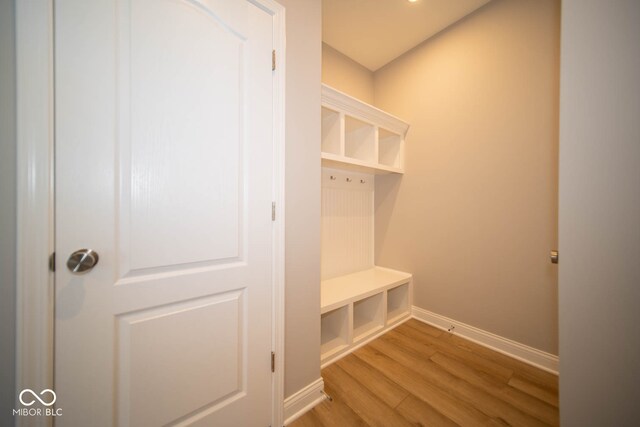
x: 412, y: 1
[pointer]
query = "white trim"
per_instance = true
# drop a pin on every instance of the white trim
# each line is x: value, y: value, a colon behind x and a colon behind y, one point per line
x: 302, y: 401
x: 540, y: 359
x: 278, y: 275
x: 34, y: 125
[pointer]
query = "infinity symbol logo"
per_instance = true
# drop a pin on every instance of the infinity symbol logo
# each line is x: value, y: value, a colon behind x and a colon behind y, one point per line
x: 29, y: 403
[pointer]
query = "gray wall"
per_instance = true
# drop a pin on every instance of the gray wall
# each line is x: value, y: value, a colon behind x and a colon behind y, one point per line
x: 343, y: 73
x: 302, y: 182
x: 7, y: 211
x: 600, y: 213
x: 475, y: 214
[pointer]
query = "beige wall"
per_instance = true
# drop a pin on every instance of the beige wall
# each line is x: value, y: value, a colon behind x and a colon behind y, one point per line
x: 346, y: 75
x: 302, y: 313
x: 475, y: 215
x: 7, y: 211
x: 600, y: 213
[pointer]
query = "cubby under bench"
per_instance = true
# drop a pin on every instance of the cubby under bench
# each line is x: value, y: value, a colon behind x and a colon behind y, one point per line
x: 358, y: 307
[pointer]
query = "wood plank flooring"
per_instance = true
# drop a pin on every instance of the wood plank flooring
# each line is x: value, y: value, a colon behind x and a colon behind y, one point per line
x: 418, y: 375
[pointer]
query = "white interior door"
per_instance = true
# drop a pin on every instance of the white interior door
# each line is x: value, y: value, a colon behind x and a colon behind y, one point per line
x: 164, y: 168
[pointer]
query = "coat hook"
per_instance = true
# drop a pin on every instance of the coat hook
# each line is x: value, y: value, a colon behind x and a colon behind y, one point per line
x: 333, y: 178
x: 362, y: 181
x: 349, y: 180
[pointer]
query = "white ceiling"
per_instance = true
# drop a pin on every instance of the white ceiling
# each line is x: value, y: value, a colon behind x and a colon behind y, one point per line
x: 375, y: 32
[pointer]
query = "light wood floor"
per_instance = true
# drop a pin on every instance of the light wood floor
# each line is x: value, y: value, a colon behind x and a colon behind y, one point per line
x: 417, y: 375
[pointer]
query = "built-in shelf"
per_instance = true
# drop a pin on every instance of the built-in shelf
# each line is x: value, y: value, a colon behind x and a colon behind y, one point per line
x: 359, y: 140
x: 357, y: 307
x: 397, y: 303
x: 390, y: 149
x: 368, y: 316
x: 359, y: 136
x: 360, y: 306
x: 331, y: 131
x: 334, y: 330
x: 342, y: 290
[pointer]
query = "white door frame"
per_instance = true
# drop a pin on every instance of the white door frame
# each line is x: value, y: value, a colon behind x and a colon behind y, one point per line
x: 35, y: 207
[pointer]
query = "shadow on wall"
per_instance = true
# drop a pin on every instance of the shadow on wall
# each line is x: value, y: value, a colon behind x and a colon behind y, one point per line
x: 386, y: 192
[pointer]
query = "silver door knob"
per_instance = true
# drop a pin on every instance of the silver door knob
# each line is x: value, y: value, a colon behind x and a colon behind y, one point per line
x: 554, y: 257
x: 82, y: 260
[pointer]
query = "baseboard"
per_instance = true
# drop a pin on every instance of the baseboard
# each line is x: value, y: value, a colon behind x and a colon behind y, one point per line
x: 303, y: 400
x: 524, y: 353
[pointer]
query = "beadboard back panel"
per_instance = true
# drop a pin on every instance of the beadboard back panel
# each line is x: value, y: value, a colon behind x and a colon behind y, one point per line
x: 347, y: 222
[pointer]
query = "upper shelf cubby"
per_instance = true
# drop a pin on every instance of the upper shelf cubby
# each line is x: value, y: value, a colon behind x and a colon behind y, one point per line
x: 359, y: 140
x: 331, y: 131
x: 360, y: 136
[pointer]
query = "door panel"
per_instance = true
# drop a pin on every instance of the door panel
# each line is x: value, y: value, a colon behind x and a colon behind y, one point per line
x: 185, y: 85
x: 164, y: 167
x: 152, y: 340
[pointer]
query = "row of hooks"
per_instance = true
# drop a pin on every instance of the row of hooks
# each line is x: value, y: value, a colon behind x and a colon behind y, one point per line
x: 333, y: 178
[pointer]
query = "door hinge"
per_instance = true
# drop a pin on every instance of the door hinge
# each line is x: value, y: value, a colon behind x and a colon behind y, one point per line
x: 273, y: 361
x: 52, y: 262
x: 273, y: 211
x: 273, y: 60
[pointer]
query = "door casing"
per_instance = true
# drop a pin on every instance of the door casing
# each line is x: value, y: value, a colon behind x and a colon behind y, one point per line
x: 35, y: 191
